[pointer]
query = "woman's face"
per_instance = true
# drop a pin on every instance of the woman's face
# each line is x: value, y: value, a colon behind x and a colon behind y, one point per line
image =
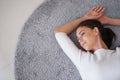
x: 87, y: 37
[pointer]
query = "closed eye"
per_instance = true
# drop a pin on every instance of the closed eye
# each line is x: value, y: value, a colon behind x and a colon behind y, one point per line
x: 82, y: 33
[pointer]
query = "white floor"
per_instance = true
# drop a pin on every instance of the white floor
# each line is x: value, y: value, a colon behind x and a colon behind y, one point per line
x: 13, y: 14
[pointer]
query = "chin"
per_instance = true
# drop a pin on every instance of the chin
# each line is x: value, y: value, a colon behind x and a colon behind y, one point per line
x: 88, y: 49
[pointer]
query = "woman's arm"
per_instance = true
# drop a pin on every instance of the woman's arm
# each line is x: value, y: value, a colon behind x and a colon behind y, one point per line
x: 114, y: 21
x: 69, y: 27
x: 94, y: 13
x: 110, y: 21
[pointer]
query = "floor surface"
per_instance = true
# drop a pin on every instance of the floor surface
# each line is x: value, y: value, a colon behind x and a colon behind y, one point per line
x: 13, y: 14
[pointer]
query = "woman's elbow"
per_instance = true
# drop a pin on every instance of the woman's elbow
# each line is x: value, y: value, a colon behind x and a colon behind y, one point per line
x: 56, y: 31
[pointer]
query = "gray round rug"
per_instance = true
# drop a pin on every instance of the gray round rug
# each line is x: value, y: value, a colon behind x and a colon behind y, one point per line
x: 38, y: 56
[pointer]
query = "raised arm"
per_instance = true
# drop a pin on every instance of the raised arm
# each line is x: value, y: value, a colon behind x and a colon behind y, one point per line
x: 69, y: 27
x: 110, y: 21
x: 94, y: 13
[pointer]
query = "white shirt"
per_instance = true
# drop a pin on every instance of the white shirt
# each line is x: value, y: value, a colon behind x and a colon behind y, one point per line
x: 102, y: 65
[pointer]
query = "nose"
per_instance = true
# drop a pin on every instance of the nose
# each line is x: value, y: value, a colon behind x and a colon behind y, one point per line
x: 81, y: 41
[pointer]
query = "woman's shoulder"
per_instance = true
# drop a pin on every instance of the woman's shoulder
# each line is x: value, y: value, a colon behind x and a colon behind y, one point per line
x: 118, y: 49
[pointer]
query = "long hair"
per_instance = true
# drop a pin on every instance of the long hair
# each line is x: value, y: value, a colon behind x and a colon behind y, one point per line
x: 106, y: 34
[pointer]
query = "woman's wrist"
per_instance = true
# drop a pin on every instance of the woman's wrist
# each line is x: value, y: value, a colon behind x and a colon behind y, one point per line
x: 108, y: 20
x: 83, y: 19
x: 105, y: 20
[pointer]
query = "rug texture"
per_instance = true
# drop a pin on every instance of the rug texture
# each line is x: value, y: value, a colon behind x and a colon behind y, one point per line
x: 38, y: 56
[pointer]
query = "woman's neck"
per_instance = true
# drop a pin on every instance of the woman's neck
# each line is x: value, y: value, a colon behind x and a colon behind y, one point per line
x: 100, y: 44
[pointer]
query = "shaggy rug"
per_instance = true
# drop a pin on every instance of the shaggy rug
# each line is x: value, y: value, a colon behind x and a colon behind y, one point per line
x: 38, y: 56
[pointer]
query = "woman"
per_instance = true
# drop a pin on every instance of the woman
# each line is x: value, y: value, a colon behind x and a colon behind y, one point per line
x: 99, y: 62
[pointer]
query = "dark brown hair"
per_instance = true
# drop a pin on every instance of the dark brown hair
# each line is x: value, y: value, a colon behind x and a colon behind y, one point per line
x: 106, y: 34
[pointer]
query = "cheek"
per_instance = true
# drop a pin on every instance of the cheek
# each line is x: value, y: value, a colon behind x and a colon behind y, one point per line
x: 90, y: 41
x: 87, y: 38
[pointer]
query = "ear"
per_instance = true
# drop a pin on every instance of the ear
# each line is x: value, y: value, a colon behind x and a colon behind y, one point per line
x: 96, y: 31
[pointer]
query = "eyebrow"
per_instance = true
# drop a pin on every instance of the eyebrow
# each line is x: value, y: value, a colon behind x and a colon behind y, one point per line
x: 81, y: 31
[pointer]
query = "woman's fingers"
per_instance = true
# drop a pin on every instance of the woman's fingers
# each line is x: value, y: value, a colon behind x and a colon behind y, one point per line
x: 98, y: 9
x: 94, y: 8
x: 102, y: 10
x: 95, y: 13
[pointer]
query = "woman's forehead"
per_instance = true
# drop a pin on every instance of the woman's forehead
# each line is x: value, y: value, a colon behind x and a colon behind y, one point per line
x: 81, y: 28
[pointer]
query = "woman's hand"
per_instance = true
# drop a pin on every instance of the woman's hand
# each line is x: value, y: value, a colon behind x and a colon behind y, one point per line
x: 104, y: 20
x: 95, y: 13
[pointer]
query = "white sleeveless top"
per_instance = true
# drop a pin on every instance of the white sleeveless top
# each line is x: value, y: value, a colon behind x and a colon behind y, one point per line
x: 102, y: 65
